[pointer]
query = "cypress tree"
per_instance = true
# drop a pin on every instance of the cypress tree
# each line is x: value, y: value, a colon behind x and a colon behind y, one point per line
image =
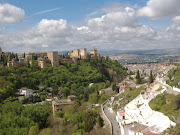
x: 151, y: 79
x: 16, y: 57
x: 138, y: 78
x: 27, y: 63
x: 5, y: 60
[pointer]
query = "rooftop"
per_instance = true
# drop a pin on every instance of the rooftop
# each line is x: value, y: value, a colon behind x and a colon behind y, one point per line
x: 138, y: 127
x: 149, y: 133
x: 122, y: 111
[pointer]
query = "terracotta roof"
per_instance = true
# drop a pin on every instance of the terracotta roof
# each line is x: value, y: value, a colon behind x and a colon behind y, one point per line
x: 139, y: 127
x: 122, y: 86
x: 149, y: 133
x: 121, y: 111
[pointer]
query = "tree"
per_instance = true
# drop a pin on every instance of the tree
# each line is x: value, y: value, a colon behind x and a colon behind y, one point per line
x: 34, y: 130
x: 60, y: 114
x: 66, y: 91
x: 151, y: 79
x: 114, y: 87
x: 138, y: 78
x: 1, y: 59
x: 90, y: 120
x: 93, y: 98
x: 5, y: 60
x: 33, y: 65
x: 46, y: 131
x: 177, y: 101
x: 16, y: 57
x: 100, y: 121
x: 38, y: 114
x: 24, y: 55
x: 27, y: 63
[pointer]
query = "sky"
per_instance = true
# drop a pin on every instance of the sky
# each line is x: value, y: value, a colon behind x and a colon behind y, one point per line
x: 63, y: 25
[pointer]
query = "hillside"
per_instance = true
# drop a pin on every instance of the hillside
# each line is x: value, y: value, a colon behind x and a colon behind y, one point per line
x: 75, y: 77
x: 67, y: 79
x: 174, y: 77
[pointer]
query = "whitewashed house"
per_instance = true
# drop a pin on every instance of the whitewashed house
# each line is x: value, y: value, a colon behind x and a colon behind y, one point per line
x: 25, y: 92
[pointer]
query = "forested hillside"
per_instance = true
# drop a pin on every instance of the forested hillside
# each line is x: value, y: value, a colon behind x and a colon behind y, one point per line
x: 17, y: 120
x: 68, y: 78
x: 74, y: 77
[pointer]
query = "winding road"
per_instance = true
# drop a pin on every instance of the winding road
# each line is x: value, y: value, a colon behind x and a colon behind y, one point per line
x: 112, y: 118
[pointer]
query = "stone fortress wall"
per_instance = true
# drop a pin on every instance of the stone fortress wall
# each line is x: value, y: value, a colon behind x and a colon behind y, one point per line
x: 82, y: 53
x: 43, y: 59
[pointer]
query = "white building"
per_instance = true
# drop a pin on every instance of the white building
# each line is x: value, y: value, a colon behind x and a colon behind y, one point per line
x: 139, y: 110
x: 25, y: 92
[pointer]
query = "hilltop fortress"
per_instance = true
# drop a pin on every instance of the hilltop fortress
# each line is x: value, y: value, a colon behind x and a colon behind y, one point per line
x: 82, y: 53
x: 43, y: 59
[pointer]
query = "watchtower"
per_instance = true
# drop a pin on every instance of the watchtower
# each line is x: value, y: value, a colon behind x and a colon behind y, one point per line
x: 53, y: 56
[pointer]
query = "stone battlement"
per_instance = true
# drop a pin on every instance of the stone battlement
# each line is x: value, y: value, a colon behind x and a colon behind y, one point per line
x: 82, y: 53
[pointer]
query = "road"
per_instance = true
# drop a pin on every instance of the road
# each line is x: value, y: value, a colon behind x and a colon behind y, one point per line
x: 112, y: 118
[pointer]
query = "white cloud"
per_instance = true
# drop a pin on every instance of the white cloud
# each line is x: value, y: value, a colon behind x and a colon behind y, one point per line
x: 44, y: 45
x: 10, y: 13
x: 158, y: 9
x: 117, y: 29
x: 122, y: 17
x: 176, y: 19
x: 54, y: 28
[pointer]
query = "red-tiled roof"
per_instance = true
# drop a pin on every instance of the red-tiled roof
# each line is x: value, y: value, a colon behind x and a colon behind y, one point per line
x: 121, y: 111
x: 122, y: 86
x: 150, y: 133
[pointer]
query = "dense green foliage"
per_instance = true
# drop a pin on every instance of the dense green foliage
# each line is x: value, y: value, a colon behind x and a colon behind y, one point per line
x: 34, y: 130
x: 68, y: 78
x: 7, y: 90
x: 90, y: 120
x: 168, y: 104
x: 60, y: 114
x: 73, y: 78
x: 17, y: 120
x: 100, y: 121
x: 75, y: 114
x: 174, y: 77
x: 95, y: 98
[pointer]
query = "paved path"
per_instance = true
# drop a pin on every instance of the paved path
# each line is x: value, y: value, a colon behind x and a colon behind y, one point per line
x: 112, y: 118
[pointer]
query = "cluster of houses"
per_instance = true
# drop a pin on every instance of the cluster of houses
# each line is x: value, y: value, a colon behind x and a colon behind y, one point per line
x: 145, y: 69
x: 57, y: 105
x: 138, y: 118
x: 25, y: 93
